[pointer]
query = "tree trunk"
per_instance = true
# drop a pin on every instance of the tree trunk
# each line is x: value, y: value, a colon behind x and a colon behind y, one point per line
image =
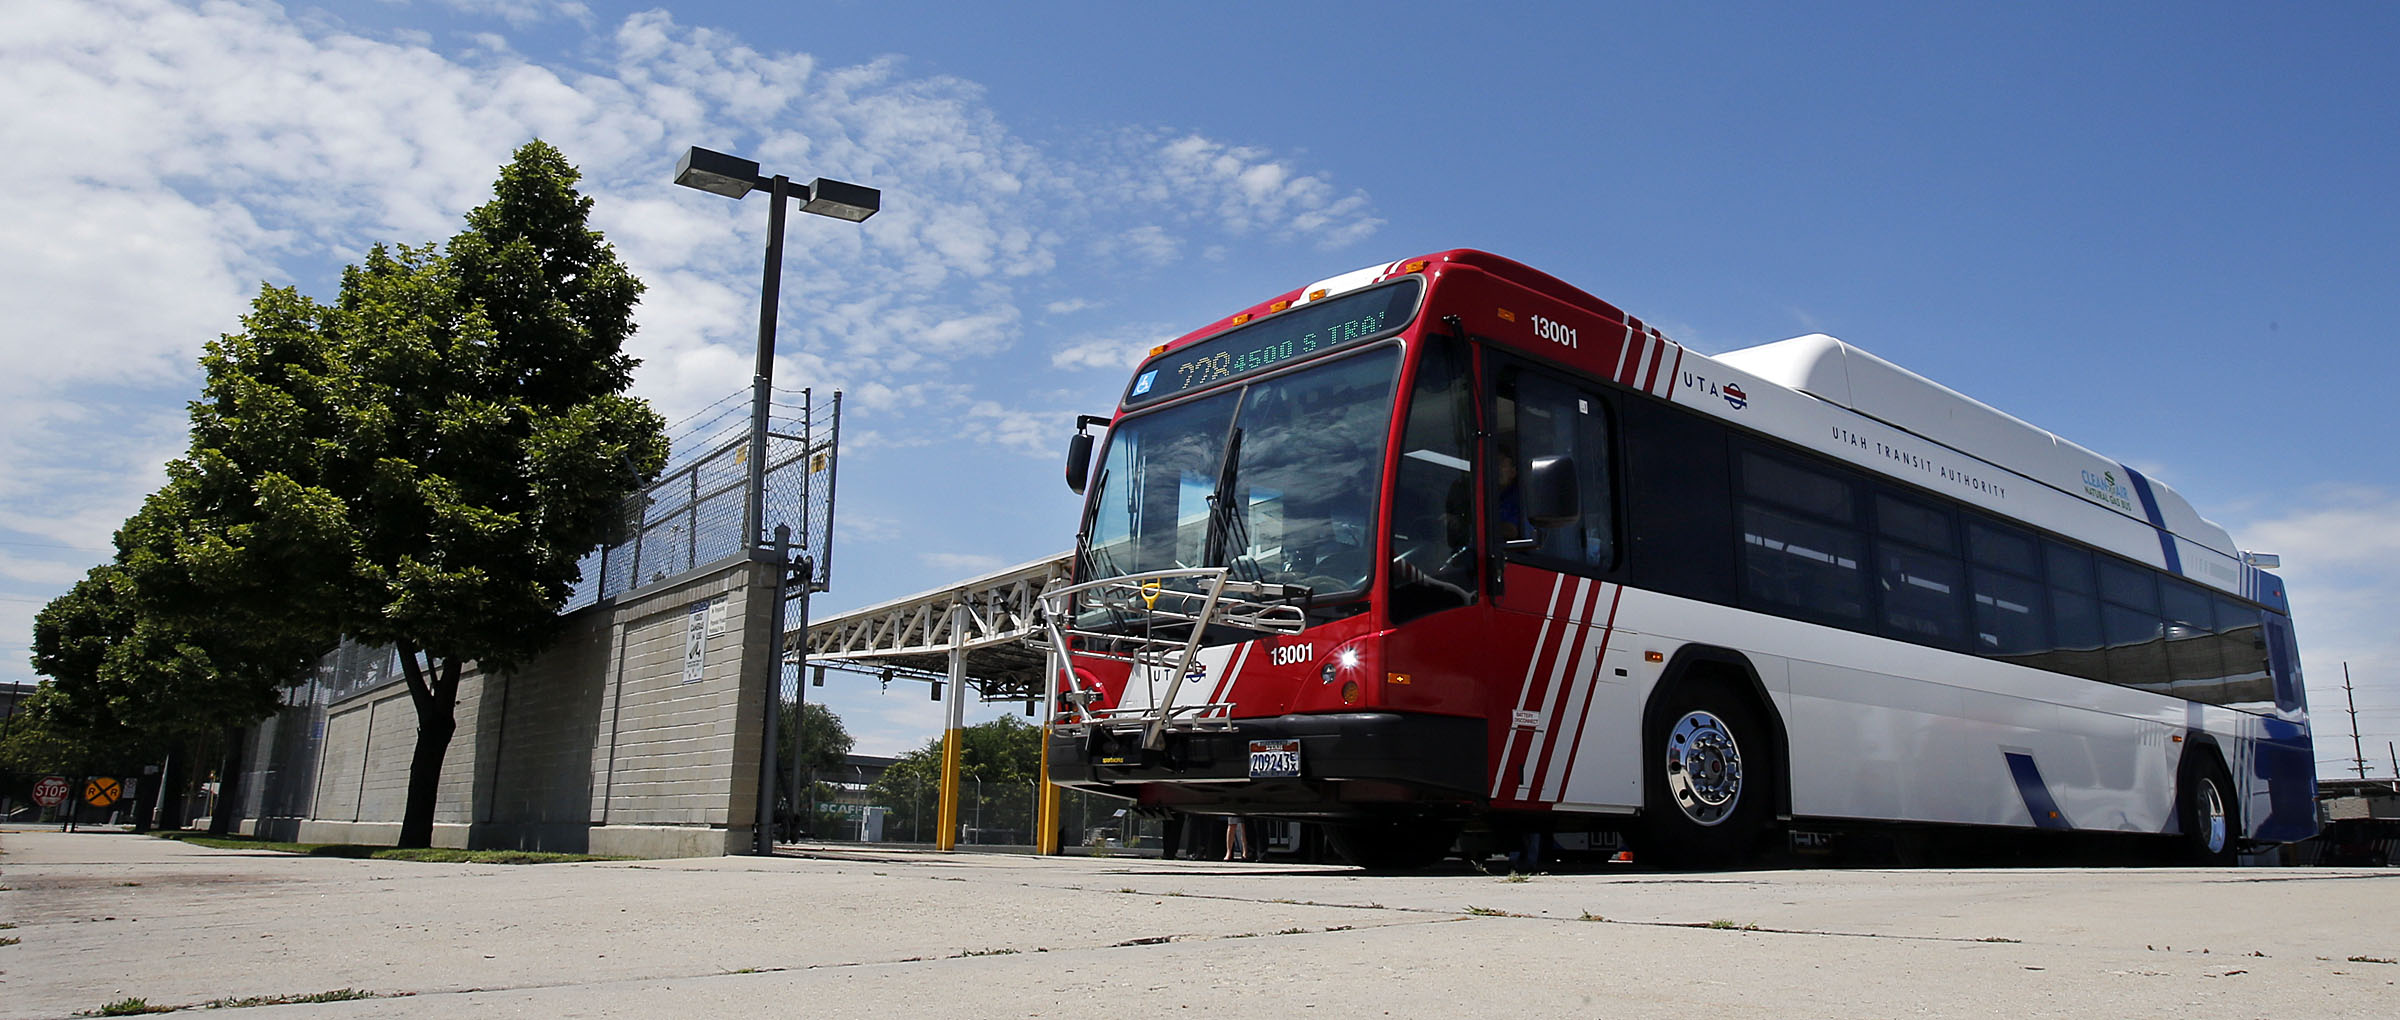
x: 229, y: 771
x: 434, y: 689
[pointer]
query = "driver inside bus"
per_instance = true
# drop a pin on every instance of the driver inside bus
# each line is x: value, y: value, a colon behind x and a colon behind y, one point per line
x: 1508, y: 510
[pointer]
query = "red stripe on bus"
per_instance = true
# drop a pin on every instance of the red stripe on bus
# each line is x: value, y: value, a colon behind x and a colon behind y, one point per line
x: 1575, y: 749
x: 1576, y: 675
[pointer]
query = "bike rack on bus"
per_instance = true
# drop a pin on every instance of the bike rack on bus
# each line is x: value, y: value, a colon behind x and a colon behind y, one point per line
x: 1185, y: 602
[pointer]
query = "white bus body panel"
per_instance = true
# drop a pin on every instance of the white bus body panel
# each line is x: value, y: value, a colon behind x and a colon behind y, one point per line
x: 1884, y: 730
x: 1827, y: 396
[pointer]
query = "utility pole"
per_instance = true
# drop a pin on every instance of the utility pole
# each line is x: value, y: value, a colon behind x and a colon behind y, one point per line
x: 2358, y: 756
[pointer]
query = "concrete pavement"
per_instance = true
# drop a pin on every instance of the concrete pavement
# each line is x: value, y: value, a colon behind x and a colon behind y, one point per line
x: 844, y: 932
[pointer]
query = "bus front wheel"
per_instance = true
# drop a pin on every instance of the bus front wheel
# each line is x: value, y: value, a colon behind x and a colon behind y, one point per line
x: 1709, y: 782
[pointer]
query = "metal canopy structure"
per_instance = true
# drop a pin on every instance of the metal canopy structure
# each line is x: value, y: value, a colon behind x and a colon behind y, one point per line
x: 984, y: 619
x: 968, y: 634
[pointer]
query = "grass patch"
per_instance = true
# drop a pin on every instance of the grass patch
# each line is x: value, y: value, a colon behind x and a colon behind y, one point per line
x: 2372, y: 959
x: 1517, y: 876
x: 1589, y: 916
x: 336, y: 995
x: 9, y: 940
x: 1724, y: 924
x: 135, y: 1007
x: 369, y: 851
x: 127, y: 1006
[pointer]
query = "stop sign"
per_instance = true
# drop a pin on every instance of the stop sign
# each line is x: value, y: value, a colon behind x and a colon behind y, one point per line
x: 50, y: 791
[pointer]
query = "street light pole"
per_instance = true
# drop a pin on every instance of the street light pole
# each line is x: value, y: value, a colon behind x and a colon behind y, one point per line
x: 754, y: 511
x: 733, y: 177
x: 762, y: 375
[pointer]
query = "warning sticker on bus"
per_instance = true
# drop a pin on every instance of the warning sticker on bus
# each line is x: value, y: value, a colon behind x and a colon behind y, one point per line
x: 1274, y: 759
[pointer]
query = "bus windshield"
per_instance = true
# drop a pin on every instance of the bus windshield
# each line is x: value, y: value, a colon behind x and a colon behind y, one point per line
x: 1275, y: 479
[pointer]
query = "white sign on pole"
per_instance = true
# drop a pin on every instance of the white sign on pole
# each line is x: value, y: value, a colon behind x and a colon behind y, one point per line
x: 695, y: 642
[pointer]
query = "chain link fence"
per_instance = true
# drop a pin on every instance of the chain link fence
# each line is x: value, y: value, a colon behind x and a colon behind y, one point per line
x: 693, y: 515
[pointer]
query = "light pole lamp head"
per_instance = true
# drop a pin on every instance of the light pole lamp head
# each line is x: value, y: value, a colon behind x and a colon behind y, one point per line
x: 717, y: 173
x: 842, y: 200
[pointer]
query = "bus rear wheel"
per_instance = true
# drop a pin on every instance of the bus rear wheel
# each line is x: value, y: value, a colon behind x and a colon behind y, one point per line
x: 2204, y: 813
x: 1709, y: 783
x: 1392, y: 846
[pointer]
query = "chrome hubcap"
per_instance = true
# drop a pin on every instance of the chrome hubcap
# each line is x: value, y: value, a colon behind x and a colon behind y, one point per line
x: 2212, y: 817
x: 1704, y: 768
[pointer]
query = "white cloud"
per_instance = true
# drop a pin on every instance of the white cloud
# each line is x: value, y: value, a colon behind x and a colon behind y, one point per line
x: 1247, y: 191
x: 521, y: 13
x: 1149, y: 244
x: 217, y: 145
x: 2341, y: 561
x: 961, y: 563
x: 1111, y: 352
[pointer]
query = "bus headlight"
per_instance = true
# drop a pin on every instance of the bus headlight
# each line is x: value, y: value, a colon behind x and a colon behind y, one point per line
x: 1346, y: 661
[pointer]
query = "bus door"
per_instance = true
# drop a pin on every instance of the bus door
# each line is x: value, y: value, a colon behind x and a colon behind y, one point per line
x: 1555, y: 613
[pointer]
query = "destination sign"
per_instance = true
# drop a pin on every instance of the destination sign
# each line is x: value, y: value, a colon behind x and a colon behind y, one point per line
x: 1312, y: 328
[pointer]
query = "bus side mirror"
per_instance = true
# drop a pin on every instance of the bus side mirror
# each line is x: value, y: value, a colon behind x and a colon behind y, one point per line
x: 1079, y: 461
x: 1079, y: 452
x: 1550, y: 493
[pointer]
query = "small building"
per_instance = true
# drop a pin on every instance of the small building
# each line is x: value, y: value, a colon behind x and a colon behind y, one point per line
x: 2358, y: 823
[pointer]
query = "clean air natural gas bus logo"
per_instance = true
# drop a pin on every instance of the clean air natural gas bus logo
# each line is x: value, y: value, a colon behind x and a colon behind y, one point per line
x: 2103, y: 487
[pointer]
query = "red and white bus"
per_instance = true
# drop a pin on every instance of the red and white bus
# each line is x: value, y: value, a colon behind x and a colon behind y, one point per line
x: 1448, y: 544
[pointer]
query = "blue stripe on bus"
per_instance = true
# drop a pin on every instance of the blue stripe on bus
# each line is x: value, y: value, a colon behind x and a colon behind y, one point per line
x: 2038, y: 801
x: 2166, y: 539
x: 2285, y: 761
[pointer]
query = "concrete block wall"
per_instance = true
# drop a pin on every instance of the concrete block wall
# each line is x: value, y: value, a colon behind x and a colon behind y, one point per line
x: 600, y: 745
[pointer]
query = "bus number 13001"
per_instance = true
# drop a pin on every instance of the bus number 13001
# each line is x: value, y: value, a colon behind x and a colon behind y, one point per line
x: 1554, y: 331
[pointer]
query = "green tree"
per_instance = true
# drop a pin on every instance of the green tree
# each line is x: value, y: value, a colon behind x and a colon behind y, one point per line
x: 129, y: 681
x: 826, y: 742
x: 488, y: 441
x: 421, y: 463
x: 46, y: 736
x: 1004, y: 753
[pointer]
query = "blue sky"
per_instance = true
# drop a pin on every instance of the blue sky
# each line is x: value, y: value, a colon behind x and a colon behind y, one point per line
x: 2164, y: 231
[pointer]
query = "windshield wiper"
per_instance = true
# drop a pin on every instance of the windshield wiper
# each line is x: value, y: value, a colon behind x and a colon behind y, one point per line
x: 1228, y: 527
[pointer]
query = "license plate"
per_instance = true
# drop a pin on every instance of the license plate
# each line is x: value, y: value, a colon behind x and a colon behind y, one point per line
x: 1274, y: 759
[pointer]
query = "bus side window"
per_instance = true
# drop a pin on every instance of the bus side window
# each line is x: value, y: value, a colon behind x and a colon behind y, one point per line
x: 2011, y: 605
x: 2129, y: 622
x: 1539, y: 416
x: 1919, y: 575
x: 2075, y: 613
x: 1802, y: 551
x: 1433, y: 492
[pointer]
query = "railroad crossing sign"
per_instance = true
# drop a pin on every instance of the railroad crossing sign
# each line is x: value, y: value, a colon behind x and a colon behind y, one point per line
x: 51, y: 791
x: 102, y: 792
